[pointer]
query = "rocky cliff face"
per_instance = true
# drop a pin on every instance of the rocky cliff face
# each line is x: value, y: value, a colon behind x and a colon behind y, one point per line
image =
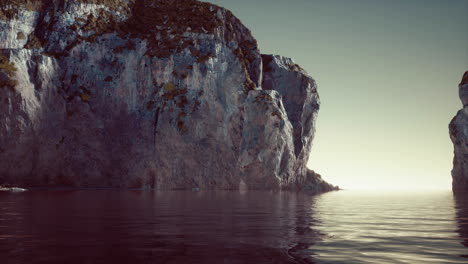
x: 148, y: 94
x: 459, y: 134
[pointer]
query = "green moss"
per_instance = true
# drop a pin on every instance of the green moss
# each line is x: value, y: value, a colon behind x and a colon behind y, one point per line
x: 170, y: 95
x: 85, y: 96
x: 9, y: 69
x: 169, y: 87
x: 20, y: 35
x: 7, y: 66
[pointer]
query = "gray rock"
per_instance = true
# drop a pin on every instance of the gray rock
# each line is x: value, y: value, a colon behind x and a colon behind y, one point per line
x: 315, y: 184
x: 301, y: 101
x: 11, y: 189
x: 459, y: 135
x: 148, y: 94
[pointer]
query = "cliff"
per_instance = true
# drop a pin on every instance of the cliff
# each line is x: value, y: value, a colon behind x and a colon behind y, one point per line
x: 459, y: 135
x: 148, y: 94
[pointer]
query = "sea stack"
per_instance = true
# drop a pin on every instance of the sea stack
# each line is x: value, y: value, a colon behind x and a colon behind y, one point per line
x: 155, y: 94
x: 459, y: 135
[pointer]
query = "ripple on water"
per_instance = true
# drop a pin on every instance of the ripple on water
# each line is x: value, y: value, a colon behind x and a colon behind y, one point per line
x: 389, y: 228
x: 230, y: 227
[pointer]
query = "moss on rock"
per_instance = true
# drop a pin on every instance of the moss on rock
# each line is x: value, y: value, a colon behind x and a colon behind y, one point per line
x: 20, y: 35
x: 169, y: 87
x: 7, y: 66
x: 7, y: 72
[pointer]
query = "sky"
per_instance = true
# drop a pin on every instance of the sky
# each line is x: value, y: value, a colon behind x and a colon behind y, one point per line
x: 387, y: 74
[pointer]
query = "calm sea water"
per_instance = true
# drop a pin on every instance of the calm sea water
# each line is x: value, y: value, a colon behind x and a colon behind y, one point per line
x: 73, y: 226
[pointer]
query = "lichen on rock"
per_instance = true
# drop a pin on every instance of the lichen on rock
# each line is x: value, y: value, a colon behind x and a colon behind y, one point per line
x: 7, y: 73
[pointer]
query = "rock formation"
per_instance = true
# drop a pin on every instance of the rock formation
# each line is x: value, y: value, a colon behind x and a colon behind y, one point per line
x: 459, y: 135
x: 165, y: 94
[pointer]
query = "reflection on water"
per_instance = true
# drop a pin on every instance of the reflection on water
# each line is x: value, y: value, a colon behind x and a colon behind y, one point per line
x: 155, y: 227
x: 461, y: 206
x: 418, y: 227
x: 230, y: 227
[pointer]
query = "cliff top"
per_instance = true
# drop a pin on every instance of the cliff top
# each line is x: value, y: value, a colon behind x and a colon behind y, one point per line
x: 464, y: 79
x: 143, y: 18
x: 168, y: 27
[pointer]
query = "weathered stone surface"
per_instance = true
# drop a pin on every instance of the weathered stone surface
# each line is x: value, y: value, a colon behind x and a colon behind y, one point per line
x: 315, y: 184
x: 147, y: 94
x: 301, y: 101
x: 459, y: 135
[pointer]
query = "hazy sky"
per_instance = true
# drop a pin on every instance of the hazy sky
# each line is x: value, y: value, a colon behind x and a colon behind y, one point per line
x: 387, y: 74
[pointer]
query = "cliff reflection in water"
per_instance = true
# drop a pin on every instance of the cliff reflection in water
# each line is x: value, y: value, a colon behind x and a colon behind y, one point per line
x: 461, y: 207
x: 154, y: 227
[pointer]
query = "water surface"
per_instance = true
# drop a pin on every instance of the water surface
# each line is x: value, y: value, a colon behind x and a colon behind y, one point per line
x: 392, y: 227
x: 105, y: 226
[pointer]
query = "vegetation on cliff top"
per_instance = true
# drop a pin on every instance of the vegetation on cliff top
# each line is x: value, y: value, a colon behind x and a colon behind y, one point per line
x: 163, y: 24
x: 9, y: 8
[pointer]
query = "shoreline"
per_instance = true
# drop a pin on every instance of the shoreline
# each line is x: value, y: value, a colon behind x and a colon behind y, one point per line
x: 13, y: 188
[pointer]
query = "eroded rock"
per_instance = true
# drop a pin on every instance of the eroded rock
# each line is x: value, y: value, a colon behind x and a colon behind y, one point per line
x: 147, y: 94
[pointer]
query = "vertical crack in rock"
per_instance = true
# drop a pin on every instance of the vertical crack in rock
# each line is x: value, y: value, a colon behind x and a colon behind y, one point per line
x: 156, y: 119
